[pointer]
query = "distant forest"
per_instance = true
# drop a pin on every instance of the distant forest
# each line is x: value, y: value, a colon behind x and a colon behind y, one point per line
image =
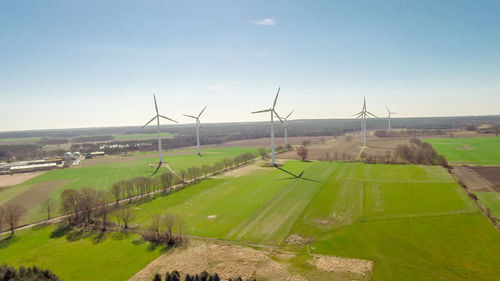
x: 103, y: 139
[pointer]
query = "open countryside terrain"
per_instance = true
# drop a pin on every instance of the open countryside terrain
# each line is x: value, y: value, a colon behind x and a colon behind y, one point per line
x: 101, y: 176
x: 470, y: 151
x: 414, y: 222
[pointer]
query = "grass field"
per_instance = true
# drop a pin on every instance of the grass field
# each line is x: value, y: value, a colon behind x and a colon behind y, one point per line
x: 115, y: 257
x: 260, y: 207
x: 102, y: 176
x: 473, y: 151
x: 142, y: 136
x: 490, y: 200
x: 413, y: 221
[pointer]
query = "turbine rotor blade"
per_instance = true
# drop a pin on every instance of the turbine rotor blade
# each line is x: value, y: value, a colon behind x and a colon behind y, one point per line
x: 156, y: 105
x: 168, y: 118
x: 288, y: 115
x: 149, y: 122
x: 278, y: 116
x: 388, y: 109
x: 260, y: 111
x: 202, y: 111
x: 372, y: 114
x: 276, y: 98
x: 359, y: 113
x: 191, y: 116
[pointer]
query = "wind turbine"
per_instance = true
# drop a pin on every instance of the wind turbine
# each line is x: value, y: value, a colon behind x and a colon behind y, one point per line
x: 389, y: 117
x: 198, y: 126
x: 286, y: 125
x: 364, y: 114
x: 157, y: 117
x: 273, y: 112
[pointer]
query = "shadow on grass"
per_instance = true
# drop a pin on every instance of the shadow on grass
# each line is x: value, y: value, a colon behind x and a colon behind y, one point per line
x: 294, y: 176
x: 119, y: 235
x: 163, y: 247
x: 60, y: 231
x: 5, y: 242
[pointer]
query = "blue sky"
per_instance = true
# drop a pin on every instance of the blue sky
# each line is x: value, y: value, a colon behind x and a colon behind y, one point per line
x: 66, y: 64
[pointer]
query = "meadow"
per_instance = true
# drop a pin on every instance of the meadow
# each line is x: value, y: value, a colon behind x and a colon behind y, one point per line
x: 414, y: 222
x: 102, y: 176
x: 115, y: 256
x: 260, y: 207
x: 471, y: 151
x: 490, y: 200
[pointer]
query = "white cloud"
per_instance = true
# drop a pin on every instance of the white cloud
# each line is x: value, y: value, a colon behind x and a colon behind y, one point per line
x: 266, y: 22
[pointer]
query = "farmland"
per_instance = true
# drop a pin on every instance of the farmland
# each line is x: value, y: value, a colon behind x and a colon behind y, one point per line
x: 102, y: 176
x: 414, y: 222
x: 77, y: 257
x: 490, y: 200
x: 471, y: 151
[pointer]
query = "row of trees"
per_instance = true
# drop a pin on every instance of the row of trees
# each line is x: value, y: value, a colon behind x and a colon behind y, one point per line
x: 11, y: 214
x: 8, y: 273
x: 165, y: 229
x: 415, y: 152
x: 204, y: 276
x: 86, y: 206
x: 408, y: 133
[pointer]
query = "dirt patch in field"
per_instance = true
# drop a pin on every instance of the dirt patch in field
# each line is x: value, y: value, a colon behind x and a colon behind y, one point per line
x: 36, y: 194
x: 336, y: 264
x: 212, y: 217
x: 243, y: 170
x: 266, y: 142
x: 227, y: 260
x: 298, y: 240
x: 473, y: 180
x: 10, y: 180
x: 324, y: 222
x: 492, y: 174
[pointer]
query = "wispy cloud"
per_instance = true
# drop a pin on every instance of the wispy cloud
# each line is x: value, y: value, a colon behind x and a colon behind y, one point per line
x: 266, y: 22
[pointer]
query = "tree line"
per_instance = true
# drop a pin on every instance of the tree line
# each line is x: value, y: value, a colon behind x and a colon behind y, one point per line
x: 8, y: 273
x: 204, y: 276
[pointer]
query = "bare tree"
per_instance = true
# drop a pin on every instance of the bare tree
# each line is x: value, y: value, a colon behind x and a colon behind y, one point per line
x: 12, y: 214
x: 169, y: 221
x: 116, y: 190
x: 206, y: 170
x: 166, y: 180
x: 102, y: 207
x: 48, y: 205
x: 69, y: 204
x: 124, y: 216
x: 263, y: 153
x: 302, y: 152
x: 88, y: 203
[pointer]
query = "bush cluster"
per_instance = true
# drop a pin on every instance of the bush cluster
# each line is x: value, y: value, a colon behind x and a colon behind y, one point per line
x: 8, y: 273
x: 204, y: 276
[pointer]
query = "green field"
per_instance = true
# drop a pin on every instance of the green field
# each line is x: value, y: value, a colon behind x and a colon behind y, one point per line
x: 114, y: 257
x: 260, y: 207
x: 102, y: 176
x: 490, y: 200
x: 142, y: 136
x: 474, y: 151
x: 19, y: 140
x: 413, y: 221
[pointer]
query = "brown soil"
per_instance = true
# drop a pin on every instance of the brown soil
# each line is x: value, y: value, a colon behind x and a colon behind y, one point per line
x: 129, y: 157
x: 227, y: 260
x: 10, y: 180
x: 336, y: 264
x: 297, y: 239
x: 243, y: 170
x: 230, y: 260
x: 492, y: 174
x: 36, y: 194
x: 266, y: 142
x: 472, y: 180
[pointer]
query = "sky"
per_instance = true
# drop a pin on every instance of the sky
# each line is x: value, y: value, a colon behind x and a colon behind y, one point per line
x: 72, y: 64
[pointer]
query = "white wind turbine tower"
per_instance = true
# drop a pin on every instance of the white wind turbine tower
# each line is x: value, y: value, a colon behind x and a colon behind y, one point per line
x: 389, y: 116
x: 157, y: 117
x: 273, y: 112
x: 364, y: 115
x: 286, y: 125
x: 198, y: 126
